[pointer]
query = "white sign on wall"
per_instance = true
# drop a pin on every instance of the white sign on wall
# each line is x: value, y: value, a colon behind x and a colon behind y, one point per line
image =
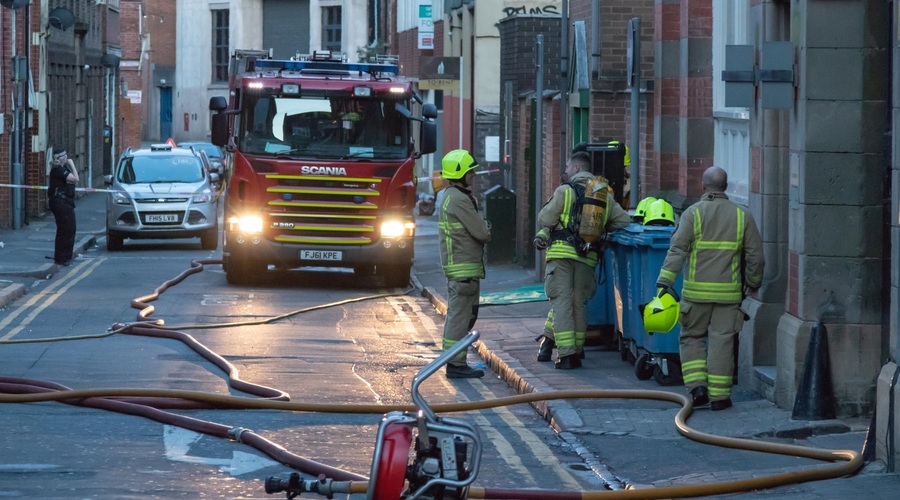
x: 426, y: 26
x: 492, y: 148
x: 134, y: 96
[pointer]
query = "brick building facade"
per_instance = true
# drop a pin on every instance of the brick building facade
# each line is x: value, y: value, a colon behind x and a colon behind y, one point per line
x: 65, y: 102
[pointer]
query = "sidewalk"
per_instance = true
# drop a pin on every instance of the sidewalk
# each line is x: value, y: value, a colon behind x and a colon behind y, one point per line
x: 26, y: 254
x: 627, y: 443
x: 507, y: 345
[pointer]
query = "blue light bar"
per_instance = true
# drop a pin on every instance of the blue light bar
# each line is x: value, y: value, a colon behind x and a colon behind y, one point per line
x: 327, y: 65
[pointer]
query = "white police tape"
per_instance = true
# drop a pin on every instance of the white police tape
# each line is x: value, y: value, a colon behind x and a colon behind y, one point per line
x: 477, y: 172
x: 101, y: 190
x: 86, y: 190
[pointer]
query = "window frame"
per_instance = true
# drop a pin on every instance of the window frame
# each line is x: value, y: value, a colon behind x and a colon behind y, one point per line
x: 219, y: 42
x: 331, y: 28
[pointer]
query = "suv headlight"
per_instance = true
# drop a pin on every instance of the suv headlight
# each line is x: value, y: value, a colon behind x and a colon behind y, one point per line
x: 120, y: 198
x: 201, y: 198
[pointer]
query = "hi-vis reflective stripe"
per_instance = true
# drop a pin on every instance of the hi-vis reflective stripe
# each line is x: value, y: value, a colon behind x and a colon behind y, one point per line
x: 707, y: 290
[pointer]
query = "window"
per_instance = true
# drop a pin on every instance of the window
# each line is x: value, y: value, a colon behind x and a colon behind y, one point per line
x: 220, y: 45
x: 732, y: 125
x: 331, y: 28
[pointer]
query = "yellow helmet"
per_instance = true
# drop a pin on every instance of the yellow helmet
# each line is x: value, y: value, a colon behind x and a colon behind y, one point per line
x: 661, y: 313
x: 659, y: 213
x: 456, y: 164
x: 641, y: 210
x: 627, y: 158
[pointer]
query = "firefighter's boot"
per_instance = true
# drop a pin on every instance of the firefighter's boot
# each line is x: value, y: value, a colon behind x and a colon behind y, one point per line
x: 464, y: 371
x: 700, y: 396
x: 545, y: 351
x: 569, y: 362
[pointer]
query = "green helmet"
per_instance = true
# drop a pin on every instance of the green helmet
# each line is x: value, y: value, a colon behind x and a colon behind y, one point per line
x: 661, y: 313
x: 641, y: 210
x: 456, y: 164
x: 659, y: 213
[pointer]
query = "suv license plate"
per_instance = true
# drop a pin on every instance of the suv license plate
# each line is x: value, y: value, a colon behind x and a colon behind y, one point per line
x: 161, y: 218
x: 320, y: 255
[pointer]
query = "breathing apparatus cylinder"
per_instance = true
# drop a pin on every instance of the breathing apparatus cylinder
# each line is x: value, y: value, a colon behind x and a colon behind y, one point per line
x: 593, y: 211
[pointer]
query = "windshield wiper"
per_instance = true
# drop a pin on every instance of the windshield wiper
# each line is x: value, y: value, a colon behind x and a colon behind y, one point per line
x: 358, y: 154
x: 287, y: 152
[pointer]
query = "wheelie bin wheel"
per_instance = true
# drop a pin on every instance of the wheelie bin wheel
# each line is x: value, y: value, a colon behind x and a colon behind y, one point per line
x: 674, y: 376
x: 643, y: 370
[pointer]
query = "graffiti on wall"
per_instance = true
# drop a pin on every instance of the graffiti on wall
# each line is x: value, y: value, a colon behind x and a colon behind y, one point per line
x: 524, y: 7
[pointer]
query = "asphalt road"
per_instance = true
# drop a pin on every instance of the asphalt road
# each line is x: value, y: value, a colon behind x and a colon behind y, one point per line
x: 364, y: 352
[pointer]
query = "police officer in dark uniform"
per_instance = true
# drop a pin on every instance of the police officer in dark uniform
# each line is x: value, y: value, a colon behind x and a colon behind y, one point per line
x: 61, y: 194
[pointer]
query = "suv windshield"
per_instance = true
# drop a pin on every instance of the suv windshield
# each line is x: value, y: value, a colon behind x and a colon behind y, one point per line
x: 159, y: 169
x: 323, y: 127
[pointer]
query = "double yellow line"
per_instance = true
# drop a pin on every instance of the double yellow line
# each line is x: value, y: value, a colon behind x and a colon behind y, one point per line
x: 45, y: 298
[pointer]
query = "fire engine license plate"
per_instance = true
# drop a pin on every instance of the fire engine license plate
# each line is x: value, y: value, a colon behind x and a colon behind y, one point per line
x: 161, y: 218
x: 320, y: 255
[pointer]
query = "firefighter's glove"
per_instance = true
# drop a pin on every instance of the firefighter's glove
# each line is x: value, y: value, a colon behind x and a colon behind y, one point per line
x: 540, y: 242
x: 663, y: 289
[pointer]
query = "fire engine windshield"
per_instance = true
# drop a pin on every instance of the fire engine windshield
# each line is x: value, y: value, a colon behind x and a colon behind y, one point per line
x: 341, y: 127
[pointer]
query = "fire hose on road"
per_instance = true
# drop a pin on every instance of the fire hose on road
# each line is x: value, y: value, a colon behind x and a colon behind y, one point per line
x: 151, y: 403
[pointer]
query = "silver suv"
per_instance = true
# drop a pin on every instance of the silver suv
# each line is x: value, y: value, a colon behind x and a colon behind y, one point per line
x: 161, y: 192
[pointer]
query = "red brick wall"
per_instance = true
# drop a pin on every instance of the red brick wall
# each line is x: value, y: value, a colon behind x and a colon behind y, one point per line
x: 524, y: 149
x: 33, y: 171
x: 610, y: 106
x: 407, y: 48
x: 695, y: 96
x: 130, y: 115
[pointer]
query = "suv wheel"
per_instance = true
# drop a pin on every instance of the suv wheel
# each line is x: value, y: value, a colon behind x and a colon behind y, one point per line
x: 209, y: 239
x: 114, y: 242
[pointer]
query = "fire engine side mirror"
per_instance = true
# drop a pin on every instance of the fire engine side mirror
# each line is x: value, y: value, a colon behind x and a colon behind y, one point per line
x: 428, y: 139
x: 219, y: 125
x: 217, y: 103
x: 219, y: 129
x: 429, y: 111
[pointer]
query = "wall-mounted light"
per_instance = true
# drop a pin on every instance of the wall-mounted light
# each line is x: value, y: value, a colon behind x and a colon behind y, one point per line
x: 61, y: 18
x: 110, y: 60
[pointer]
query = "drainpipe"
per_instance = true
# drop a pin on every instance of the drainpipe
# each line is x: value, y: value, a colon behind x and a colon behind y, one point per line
x: 564, y: 86
x: 539, y: 150
x: 595, y: 39
x: 15, y: 154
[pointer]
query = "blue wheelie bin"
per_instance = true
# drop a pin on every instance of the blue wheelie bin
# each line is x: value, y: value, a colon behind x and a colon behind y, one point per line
x: 627, y: 279
x: 659, y: 356
x: 601, y: 308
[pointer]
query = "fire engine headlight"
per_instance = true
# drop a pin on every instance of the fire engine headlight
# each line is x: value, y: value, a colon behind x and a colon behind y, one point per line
x: 121, y: 199
x: 397, y: 229
x: 249, y: 224
x: 201, y: 198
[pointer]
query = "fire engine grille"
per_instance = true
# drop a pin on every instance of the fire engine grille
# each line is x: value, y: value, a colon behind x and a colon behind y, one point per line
x: 323, y: 210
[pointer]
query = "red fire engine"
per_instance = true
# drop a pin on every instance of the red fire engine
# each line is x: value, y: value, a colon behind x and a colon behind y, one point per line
x: 321, y: 165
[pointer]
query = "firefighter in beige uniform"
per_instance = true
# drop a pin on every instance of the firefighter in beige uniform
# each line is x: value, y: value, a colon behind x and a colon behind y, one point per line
x: 569, y: 279
x: 462, y: 232
x: 719, y: 246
